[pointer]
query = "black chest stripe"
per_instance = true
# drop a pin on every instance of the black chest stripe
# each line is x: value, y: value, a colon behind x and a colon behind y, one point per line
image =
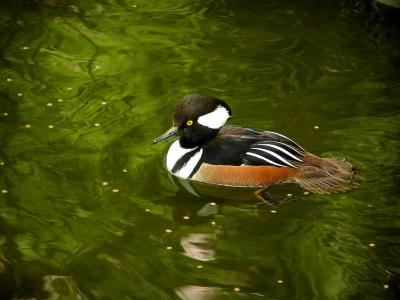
x: 183, y: 161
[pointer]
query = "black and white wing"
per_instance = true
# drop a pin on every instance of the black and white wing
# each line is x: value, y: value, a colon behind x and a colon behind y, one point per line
x: 275, y: 150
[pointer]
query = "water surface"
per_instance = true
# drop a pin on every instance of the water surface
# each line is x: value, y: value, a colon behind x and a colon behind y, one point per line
x: 87, y: 210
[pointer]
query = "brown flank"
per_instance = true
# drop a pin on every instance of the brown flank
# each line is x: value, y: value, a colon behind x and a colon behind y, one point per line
x: 316, y: 174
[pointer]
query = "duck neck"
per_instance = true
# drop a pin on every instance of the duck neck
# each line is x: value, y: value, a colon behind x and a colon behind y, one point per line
x: 196, y: 140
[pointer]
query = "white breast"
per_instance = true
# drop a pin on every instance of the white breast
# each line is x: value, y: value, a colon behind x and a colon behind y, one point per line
x: 176, y: 152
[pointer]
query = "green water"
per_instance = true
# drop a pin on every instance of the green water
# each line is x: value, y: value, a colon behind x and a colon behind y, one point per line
x: 85, y: 205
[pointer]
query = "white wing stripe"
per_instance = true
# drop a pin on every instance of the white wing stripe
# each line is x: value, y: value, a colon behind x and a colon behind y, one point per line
x: 287, y: 139
x: 284, y: 145
x: 283, y: 150
x: 277, y: 156
x: 263, y: 158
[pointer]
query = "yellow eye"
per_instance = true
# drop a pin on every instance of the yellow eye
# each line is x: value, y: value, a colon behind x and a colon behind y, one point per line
x: 189, y: 123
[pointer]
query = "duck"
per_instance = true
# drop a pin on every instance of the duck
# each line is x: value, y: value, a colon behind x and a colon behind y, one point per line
x: 210, y: 152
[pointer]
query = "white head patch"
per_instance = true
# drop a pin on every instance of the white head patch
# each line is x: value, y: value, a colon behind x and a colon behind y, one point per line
x: 215, y: 119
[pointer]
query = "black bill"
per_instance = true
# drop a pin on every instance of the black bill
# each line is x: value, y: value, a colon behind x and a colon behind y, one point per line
x: 168, y: 135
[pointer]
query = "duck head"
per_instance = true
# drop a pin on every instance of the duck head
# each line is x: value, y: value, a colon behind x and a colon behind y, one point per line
x: 196, y: 120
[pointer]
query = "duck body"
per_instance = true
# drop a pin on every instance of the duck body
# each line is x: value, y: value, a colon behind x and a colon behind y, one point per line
x: 210, y: 152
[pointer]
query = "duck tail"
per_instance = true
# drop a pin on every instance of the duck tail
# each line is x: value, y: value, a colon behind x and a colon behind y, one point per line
x: 324, y: 175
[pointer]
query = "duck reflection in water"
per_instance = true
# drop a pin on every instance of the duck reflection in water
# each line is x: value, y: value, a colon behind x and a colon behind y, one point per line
x: 199, y: 246
x: 198, y: 236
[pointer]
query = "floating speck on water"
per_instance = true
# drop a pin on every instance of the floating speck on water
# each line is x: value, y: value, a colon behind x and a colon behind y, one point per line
x: 97, y: 124
x: 20, y: 94
x: 104, y: 183
x: 9, y: 80
x: 147, y: 210
x: 168, y: 230
x: 316, y: 127
x: 385, y: 286
x: 125, y: 170
x: 4, y: 191
x: 28, y: 126
x: 289, y: 195
x: 273, y: 211
x: 5, y: 114
x: 103, y: 102
x: 199, y: 267
x: 213, y: 203
x: 49, y: 104
x: 168, y: 248
x: 60, y: 100
x: 115, y: 190
x: 69, y: 88
x: 371, y: 245
x: 306, y: 193
x: 236, y: 289
x: 25, y: 48
x: 369, y: 205
x: 186, y: 217
x: 51, y: 126
x: 279, y: 281
x: 134, y: 5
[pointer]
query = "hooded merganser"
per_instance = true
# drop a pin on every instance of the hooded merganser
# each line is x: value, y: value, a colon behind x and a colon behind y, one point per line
x: 210, y: 152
